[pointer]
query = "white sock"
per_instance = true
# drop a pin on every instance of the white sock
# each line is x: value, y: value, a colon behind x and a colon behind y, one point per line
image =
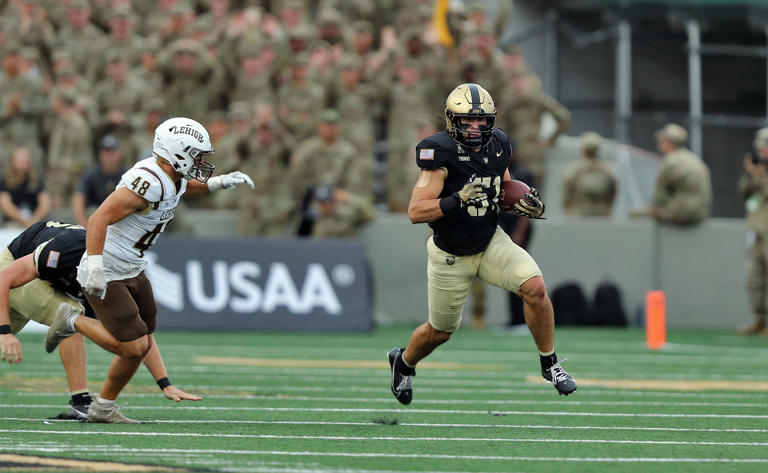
x: 547, y: 353
x: 106, y: 402
x: 71, y: 319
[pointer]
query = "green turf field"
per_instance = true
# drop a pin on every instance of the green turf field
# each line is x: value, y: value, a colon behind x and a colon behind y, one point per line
x: 321, y: 403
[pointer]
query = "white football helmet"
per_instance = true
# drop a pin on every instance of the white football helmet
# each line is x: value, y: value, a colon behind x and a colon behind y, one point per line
x: 184, y: 143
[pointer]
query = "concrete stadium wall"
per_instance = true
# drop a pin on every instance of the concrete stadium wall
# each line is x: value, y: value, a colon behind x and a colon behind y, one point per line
x: 701, y: 270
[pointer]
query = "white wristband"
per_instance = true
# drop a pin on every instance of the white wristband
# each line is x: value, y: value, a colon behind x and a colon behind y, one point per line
x: 215, y: 184
x: 95, y: 261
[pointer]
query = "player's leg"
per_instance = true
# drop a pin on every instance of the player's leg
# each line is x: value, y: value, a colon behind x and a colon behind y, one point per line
x: 119, y: 314
x: 72, y: 354
x: 506, y: 265
x: 448, y: 281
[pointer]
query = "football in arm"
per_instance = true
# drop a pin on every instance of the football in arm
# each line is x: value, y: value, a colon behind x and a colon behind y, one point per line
x: 511, y: 192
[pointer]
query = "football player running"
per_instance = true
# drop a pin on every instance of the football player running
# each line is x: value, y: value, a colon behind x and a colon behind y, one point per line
x: 38, y: 282
x: 461, y: 173
x: 124, y: 228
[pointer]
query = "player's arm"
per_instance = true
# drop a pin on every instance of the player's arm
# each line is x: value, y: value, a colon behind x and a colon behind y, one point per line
x: 154, y: 363
x: 217, y: 183
x: 424, y: 206
x: 14, y: 275
x: 118, y: 205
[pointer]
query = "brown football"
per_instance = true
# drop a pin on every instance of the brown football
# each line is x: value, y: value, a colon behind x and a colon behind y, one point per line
x: 511, y: 193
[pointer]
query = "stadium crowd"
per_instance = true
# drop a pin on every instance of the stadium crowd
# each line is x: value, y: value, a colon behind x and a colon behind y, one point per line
x: 301, y: 95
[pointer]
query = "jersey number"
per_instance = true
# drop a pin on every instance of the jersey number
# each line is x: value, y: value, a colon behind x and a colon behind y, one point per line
x: 140, y: 186
x: 485, y: 181
x: 148, y: 239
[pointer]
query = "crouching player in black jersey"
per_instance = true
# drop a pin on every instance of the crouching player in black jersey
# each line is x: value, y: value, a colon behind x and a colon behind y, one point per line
x: 462, y: 169
x: 38, y: 282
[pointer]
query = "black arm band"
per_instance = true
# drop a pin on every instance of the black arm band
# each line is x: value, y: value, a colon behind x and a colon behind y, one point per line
x: 450, y: 203
x: 163, y: 383
x: 5, y: 329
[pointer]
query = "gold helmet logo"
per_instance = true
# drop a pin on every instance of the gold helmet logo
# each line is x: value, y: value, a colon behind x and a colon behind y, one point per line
x: 469, y: 101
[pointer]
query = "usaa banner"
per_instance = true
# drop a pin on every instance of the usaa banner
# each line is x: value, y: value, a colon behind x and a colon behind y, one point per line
x: 261, y: 284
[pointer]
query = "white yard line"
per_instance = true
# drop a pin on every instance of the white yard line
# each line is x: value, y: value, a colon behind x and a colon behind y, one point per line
x: 547, y: 402
x: 161, y: 451
x: 390, y: 438
x: 422, y: 424
x: 415, y: 411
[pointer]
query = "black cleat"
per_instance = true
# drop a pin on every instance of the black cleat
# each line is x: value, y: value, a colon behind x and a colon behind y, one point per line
x: 402, y: 376
x: 559, y: 378
x: 75, y: 412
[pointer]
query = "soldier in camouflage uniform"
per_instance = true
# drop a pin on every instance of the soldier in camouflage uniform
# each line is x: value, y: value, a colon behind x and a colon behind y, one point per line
x: 118, y: 99
x: 353, y: 100
x: 521, y: 116
x: 81, y: 39
x: 299, y: 99
x: 270, y: 210
x: 254, y: 77
x: 70, y: 150
x: 683, y: 192
x: 122, y: 39
x: 339, y: 214
x: 753, y: 187
x: 589, y: 186
x: 326, y: 159
x: 21, y: 103
x: 407, y: 97
x: 194, y: 80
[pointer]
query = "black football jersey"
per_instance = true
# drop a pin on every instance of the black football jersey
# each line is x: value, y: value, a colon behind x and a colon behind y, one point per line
x: 468, y: 230
x: 61, y: 247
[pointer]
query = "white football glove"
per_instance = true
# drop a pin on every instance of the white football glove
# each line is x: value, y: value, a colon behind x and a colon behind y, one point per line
x: 229, y: 181
x: 96, y: 283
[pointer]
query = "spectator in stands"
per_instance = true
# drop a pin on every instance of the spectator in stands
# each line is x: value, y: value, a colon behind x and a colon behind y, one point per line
x: 70, y: 149
x: 589, y: 186
x: 683, y: 194
x: 521, y: 118
x: 753, y: 187
x: 100, y: 181
x: 23, y: 200
x: 338, y: 213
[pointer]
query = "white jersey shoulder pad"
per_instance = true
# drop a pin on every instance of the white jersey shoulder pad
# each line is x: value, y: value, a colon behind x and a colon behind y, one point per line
x: 146, y: 180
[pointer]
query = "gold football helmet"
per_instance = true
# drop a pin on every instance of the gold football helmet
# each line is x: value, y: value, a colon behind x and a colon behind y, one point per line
x: 469, y: 101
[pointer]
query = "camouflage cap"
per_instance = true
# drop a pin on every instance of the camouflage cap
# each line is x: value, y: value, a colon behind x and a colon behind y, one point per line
x: 293, y: 5
x: 250, y: 46
x: 590, y: 141
x: 67, y: 94
x: 329, y: 115
x: 362, y: 26
x: 302, y: 31
x: 12, y: 47
x: 329, y: 16
x: 79, y: 4
x: 301, y: 59
x: 121, y: 12
x: 180, y: 8
x: 186, y: 45
x: 478, y: 5
x: 65, y: 70
x: 761, y: 138
x: 673, y: 133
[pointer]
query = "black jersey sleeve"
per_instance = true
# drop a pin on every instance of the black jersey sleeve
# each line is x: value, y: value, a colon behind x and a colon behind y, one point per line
x: 432, y: 153
x: 56, y: 260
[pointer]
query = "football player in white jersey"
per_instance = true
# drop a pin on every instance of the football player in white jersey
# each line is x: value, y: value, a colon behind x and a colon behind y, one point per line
x: 124, y: 228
